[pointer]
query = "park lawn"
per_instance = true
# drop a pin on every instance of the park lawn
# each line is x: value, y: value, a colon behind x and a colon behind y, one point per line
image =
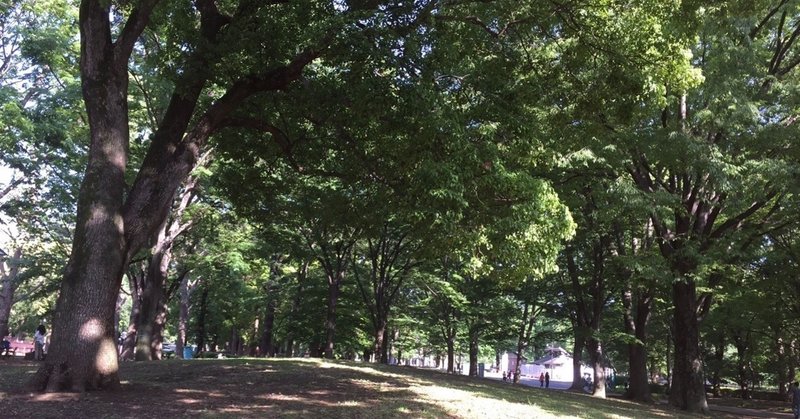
x: 304, y: 388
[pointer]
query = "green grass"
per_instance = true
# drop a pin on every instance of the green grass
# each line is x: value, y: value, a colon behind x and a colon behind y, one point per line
x: 302, y: 388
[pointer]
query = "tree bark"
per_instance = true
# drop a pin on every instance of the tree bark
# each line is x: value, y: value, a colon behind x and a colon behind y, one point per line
x: 636, y: 324
x: 451, y: 355
x: 201, y: 321
x: 330, y: 318
x: 302, y: 274
x: 267, y: 347
x: 577, y: 362
x: 379, y: 344
x: 114, y: 222
x: 9, y: 269
x: 474, y: 334
x: 595, y: 349
x: 135, y: 279
x: 152, y: 299
x: 185, y: 293
x: 688, y: 383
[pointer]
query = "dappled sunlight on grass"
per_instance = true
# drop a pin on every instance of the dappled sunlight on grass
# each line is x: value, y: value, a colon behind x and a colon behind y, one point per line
x: 308, y: 388
x: 189, y: 391
x: 55, y: 397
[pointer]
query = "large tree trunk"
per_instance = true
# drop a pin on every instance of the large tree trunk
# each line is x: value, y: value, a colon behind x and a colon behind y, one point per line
x: 451, y: 357
x: 152, y: 300
x: 330, y: 318
x: 267, y: 347
x: 378, y: 341
x: 743, y: 366
x: 474, y: 334
x: 385, y: 346
x: 577, y: 362
x: 158, y: 330
x: 201, y: 321
x: 9, y: 270
x: 688, y: 386
x: 82, y: 354
x: 636, y: 324
x: 114, y: 222
x: 595, y: 349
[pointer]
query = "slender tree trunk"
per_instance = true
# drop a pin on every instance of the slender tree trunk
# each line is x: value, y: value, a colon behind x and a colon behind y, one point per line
x: 267, y: 347
x: 302, y: 274
x: 717, y: 357
x: 9, y: 270
x: 201, y: 321
x: 782, y: 365
x: 385, y: 346
x: 743, y: 368
x: 474, y: 335
x: 330, y: 319
x: 135, y: 281
x: 688, y: 384
x: 636, y: 325
x: 451, y: 358
x: 183, y: 313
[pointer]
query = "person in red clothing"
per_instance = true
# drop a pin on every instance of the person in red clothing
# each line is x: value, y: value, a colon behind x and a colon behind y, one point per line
x: 541, y: 380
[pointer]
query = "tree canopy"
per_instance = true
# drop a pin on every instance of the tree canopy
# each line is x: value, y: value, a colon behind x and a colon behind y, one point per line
x: 370, y: 179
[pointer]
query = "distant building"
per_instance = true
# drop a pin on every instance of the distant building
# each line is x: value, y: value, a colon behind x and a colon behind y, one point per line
x: 556, y: 361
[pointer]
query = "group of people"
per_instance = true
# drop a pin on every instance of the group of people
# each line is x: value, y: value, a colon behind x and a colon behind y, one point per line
x: 544, y: 379
x: 39, y: 341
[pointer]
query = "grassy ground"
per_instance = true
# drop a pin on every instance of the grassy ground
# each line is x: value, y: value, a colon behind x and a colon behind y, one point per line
x: 303, y: 388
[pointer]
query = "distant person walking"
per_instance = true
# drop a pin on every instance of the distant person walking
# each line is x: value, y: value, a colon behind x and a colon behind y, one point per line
x: 795, y: 395
x: 541, y: 380
x: 547, y: 379
x: 38, y: 342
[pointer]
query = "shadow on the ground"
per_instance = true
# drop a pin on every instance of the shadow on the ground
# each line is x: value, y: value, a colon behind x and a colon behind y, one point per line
x: 231, y: 388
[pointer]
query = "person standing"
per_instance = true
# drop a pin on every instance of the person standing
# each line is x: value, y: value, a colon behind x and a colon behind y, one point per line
x: 795, y: 395
x: 547, y: 379
x: 541, y: 379
x: 38, y: 342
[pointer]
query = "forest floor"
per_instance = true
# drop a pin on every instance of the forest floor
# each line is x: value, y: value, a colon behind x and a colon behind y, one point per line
x: 308, y: 388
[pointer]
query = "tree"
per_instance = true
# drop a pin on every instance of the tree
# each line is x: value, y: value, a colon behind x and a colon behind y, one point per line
x: 389, y: 258
x: 115, y: 221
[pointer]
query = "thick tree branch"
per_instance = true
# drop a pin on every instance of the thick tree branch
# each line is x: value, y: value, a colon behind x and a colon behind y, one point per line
x: 756, y: 29
x: 134, y: 27
x: 737, y: 220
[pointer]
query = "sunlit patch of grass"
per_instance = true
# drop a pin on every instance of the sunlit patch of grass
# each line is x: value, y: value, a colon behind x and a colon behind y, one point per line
x: 301, y: 388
